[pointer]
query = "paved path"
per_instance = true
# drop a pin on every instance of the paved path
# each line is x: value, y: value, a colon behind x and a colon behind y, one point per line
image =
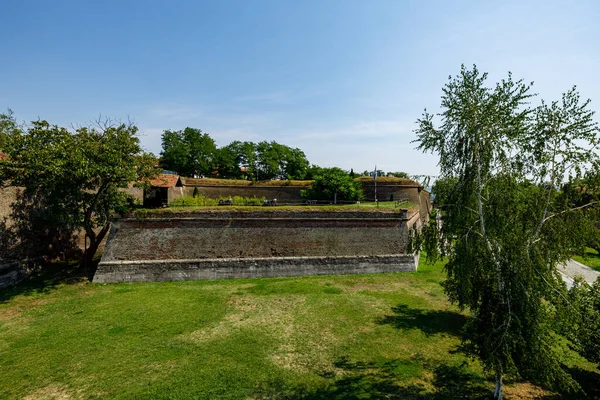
x: 573, y: 268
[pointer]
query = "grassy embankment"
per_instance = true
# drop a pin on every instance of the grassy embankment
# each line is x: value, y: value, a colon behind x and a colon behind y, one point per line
x: 340, y: 337
x: 591, y: 258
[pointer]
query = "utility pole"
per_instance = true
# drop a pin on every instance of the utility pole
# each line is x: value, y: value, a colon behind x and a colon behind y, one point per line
x: 375, y: 179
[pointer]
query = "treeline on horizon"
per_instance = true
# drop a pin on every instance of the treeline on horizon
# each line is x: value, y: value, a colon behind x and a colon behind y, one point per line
x: 191, y: 152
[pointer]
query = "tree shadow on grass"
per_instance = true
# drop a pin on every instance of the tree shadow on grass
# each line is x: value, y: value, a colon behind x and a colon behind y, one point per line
x: 430, y: 322
x: 47, y: 276
x: 359, y: 380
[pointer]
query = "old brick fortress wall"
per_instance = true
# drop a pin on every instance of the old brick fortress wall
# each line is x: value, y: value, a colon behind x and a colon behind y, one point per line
x: 235, y: 244
x: 282, y: 193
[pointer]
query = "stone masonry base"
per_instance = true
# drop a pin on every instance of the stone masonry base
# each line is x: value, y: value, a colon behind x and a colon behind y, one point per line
x: 226, y: 268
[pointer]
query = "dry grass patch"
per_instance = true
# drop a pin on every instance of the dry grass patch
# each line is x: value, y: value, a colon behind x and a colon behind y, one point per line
x: 273, y: 316
x: 53, y: 392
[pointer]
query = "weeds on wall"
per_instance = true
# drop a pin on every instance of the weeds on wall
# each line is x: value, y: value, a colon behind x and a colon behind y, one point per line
x: 201, y: 200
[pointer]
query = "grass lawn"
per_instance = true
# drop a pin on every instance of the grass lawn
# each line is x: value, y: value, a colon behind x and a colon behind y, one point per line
x: 335, y: 337
x: 591, y: 258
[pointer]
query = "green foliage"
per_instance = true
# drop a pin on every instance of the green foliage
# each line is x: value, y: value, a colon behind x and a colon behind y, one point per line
x: 334, y: 180
x: 313, y: 171
x: 400, y: 174
x: 277, y: 161
x: 201, y: 200
x: 579, y: 318
x: 245, y: 157
x: 505, y: 222
x: 195, y: 194
x: 590, y: 257
x: 189, y: 152
x: 71, y: 180
x: 228, y: 164
x: 8, y: 125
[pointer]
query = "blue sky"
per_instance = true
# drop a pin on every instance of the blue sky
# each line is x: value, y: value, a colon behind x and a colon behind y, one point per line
x: 344, y: 81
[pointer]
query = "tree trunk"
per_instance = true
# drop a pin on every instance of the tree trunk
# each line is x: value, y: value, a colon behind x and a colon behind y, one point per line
x: 499, y: 387
x: 95, y: 241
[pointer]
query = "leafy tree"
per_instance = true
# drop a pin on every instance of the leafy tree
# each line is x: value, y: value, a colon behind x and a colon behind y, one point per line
x: 505, y: 222
x: 332, y: 181
x: 295, y: 163
x: 313, y: 171
x: 189, y: 152
x: 276, y: 160
x: 248, y: 159
x: 585, y: 192
x: 579, y: 318
x: 71, y: 180
x: 7, y: 126
x: 202, y: 155
x: 269, y: 156
x: 174, y: 155
x: 400, y: 174
x: 242, y: 155
x: 227, y: 163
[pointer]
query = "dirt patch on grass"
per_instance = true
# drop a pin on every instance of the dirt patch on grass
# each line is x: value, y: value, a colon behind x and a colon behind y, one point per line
x: 385, y: 287
x: 9, y: 313
x: 52, y: 392
x: 304, y: 343
x: 17, y: 308
x: 524, y: 391
x: 271, y: 315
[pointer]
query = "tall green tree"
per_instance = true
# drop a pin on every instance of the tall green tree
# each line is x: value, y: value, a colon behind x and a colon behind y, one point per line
x: 296, y: 164
x: 268, y: 159
x: 189, y: 152
x: 505, y: 222
x: 75, y: 176
x: 278, y: 161
x: 174, y: 155
x: 331, y: 183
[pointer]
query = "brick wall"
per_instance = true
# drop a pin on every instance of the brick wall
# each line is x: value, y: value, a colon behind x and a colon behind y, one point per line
x: 300, y: 243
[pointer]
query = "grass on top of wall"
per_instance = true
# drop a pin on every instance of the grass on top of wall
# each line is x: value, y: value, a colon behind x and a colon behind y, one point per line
x: 240, y: 182
x: 328, y: 337
x: 177, y: 208
x: 202, y: 201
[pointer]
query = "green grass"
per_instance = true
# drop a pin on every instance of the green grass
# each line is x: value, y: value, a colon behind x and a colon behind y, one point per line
x: 341, y: 337
x: 384, y: 206
x: 591, y: 258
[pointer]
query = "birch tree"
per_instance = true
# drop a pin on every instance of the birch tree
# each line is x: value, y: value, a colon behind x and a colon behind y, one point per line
x: 506, y: 223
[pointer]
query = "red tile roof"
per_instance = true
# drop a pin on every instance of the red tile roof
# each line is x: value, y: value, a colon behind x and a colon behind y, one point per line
x: 164, y: 180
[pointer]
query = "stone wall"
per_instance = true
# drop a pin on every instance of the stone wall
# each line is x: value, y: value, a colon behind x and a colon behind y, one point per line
x: 391, y: 192
x: 8, y: 195
x: 424, y: 204
x: 223, y: 268
x: 281, y: 193
x: 12, y: 273
x: 234, y: 244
